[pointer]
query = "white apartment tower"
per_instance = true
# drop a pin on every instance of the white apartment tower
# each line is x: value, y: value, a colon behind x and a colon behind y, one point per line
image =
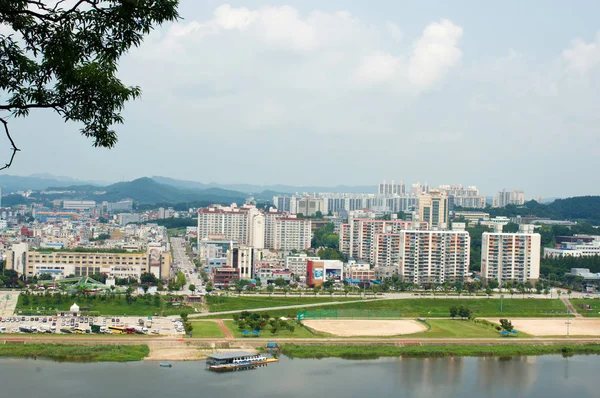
x: 434, y: 256
x: 511, y: 256
x: 292, y: 234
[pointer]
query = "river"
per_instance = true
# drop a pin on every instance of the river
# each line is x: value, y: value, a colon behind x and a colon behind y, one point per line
x: 543, y: 377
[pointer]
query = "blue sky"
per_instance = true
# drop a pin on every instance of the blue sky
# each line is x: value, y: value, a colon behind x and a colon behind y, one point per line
x: 493, y: 94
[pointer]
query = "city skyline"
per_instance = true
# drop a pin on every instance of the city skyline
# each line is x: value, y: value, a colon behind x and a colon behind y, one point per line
x: 435, y: 92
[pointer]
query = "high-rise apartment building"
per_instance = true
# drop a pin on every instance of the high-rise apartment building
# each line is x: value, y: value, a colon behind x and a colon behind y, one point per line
x: 307, y: 205
x: 433, y: 209
x: 504, y: 197
x: 511, y: 256
x: 244, y: 225
x: 292, y: 233
x: 459, y: 196
x: 358, y: 236
x: 387, y: 189
x: 434, y: 256
x: 282, y: 203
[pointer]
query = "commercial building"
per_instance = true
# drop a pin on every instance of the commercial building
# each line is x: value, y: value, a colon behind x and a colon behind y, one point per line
x: 78, y: 204
x: 511, y: 256
x: 297, y: 264
x: 360, y: 272
x: 242, y: 259
x: 127, y: 218
x: 319, y: 271
x: 385, y: 272
x: 434, y: 210
x: 434, y: 256
x: 578, y: 249
x: 116, y: 265
x: 50, y: 216
x: 224, y: 277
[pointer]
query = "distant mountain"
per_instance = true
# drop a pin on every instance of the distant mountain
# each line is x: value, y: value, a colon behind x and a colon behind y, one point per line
x: 147, y: 191
x: 36, y: 182
x: 260, y: 189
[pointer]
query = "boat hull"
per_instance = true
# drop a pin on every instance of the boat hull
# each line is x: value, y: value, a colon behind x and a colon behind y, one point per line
x: 245, y: 366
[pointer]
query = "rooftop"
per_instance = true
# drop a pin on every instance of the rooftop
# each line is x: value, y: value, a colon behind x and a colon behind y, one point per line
x: 230, y: 355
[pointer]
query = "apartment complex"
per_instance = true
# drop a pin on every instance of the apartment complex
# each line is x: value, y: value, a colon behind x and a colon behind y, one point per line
x: 292, y: 234
x: 434, y: 256
x: 468, y: 197
x: 434, y: 210
x: 504, y: 197
x: 64, y: 263
x: 244, y: 225
x: 357, y: 238
x: 511, y: 256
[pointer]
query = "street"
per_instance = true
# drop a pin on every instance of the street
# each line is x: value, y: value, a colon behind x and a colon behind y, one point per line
x: 181, y: 262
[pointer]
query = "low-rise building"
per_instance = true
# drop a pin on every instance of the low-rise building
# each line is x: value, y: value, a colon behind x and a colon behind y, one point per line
x: 319, y: 271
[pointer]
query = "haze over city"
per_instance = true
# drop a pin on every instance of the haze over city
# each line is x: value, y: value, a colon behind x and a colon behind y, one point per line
x: 313, y: 93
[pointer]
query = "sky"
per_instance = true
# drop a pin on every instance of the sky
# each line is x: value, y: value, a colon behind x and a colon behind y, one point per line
x: 493, y: 94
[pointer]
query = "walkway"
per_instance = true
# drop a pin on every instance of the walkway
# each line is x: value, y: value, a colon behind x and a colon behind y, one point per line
x: 571, y: 307
x: 285, y: 307
x: 225, y: 330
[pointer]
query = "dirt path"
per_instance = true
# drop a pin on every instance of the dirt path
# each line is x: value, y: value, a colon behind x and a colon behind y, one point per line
x: 225, y: 330
x: 571, y: 307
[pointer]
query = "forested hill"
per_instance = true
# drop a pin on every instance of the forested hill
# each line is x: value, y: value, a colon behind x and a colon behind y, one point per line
x: 579, y: 208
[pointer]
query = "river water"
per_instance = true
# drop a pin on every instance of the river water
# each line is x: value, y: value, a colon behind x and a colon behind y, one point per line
x: 543, y: 377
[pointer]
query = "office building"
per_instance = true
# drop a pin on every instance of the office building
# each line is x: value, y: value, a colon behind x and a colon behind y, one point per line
x: 511, y: 256
x: 115, y: 265
x: 434, y: 256
x: 433, y: 209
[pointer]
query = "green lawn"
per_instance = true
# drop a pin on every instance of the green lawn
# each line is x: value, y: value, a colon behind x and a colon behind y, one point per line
x: 221, y: 303
x: 594, y: 304
x: 111, y: 305
x: 299, y: 332
x: 438, y: 307
x: 206, y: 329
x: 441, y: 328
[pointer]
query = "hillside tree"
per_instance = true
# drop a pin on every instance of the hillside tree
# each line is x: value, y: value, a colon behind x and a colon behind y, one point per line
x: 63, y: 55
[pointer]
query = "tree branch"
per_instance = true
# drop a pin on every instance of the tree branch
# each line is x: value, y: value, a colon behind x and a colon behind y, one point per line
x: 14, y: 147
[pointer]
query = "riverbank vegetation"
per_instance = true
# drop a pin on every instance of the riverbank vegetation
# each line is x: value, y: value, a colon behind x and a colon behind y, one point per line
x: 76, y: 353
x: 377, y: 351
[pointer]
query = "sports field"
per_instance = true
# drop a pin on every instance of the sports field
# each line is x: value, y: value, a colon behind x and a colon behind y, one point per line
x: 556, y: 327
x: 357, y: 327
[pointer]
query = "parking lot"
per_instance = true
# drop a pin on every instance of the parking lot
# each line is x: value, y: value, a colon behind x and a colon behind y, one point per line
x: 83, y: 324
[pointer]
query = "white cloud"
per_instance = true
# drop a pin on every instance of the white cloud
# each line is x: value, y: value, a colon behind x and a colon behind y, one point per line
x: 379, y: 68
x: 580, y: 57
x: 434, y: 53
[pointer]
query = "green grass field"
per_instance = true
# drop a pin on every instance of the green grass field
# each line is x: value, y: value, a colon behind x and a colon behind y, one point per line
x: 220, y: 303
x: 76, y: 353
x: 299, y: 332
x: 593, y: 312
x: 438, y: 307
x: 206, y: 329
x: 441, y: 328
x: 117, y: 305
